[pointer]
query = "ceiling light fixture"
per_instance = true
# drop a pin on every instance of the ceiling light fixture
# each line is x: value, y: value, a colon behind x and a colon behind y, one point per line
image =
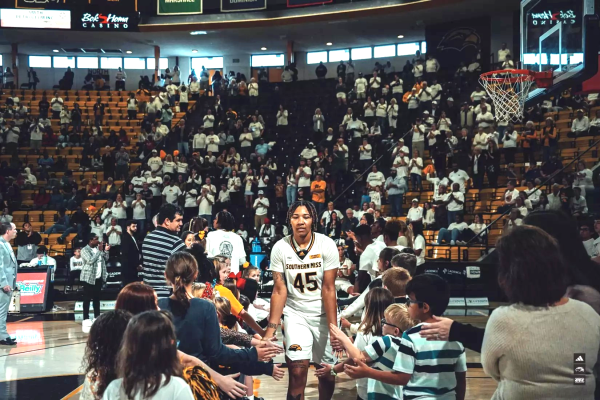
x: 129, y: 52
x: 400, y: 36
x: 198, y: 33
x: 263, y: 48
x: 329, y: 44
x: 56, y: 51
x: 194, y: 51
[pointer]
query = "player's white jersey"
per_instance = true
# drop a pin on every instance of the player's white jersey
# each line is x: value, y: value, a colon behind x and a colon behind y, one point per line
x: 303, y: 271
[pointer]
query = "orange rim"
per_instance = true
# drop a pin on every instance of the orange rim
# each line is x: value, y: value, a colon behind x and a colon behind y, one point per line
x: 521, y: 75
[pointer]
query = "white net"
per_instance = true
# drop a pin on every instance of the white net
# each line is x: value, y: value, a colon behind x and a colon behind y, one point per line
x: 508, y: 90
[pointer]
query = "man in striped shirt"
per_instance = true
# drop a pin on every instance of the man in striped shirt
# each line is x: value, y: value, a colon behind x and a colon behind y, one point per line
x: 158, y: 246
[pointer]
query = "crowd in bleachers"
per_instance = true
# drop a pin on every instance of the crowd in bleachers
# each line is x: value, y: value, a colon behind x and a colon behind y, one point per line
x: 409, y: 159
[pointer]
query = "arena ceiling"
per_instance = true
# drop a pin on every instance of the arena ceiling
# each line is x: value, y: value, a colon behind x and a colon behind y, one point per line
x: 347, y: 32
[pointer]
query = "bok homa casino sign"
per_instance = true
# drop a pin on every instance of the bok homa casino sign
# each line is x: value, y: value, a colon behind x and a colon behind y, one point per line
x: 567, y: 17
x: 105, y: 21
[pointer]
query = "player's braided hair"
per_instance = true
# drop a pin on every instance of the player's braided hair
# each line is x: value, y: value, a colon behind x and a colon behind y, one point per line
x: 225, y: 220
x: 312, y: 211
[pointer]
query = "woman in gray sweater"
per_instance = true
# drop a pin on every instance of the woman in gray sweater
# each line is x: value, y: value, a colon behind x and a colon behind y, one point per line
x: 543, y: 345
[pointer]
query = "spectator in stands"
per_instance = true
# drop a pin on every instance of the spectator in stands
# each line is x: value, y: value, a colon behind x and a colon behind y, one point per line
x: 113, y: 234
x: 131, y: 261
x: 454, y: 202
x: 415, y: 213
x: 158, y: 245
x: 321, y: 71
x: 585, y: 232
x: 93, y: 276
x: 261, y: 206
x: 360, y: 86
x: 41, y: 199
x: 578, y: 204
x: 533, y: 274
x: 317, y: 189
x: 27, y: 241
x: 452, y: 233
x: 98, y: 113
x: 510, y: 197
x: 580, y: 125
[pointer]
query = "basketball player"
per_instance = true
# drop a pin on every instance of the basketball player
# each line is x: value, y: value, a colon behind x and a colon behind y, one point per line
x: 304, y: 267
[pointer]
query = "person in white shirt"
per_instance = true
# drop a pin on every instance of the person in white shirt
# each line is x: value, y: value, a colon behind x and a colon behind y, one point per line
x: 397, y: 86
x: 508, y: 63
x: 374, y: 85
x: 418, y: 69
x: 205, y: 202
x: 212, y: 143
x: 161, y: 129
x: 223, y: 241
x: 381, y: 113
x: 261, y: 207
x: 42, y: 258
x: 208, y: 122
x: 401, y: 164
x: 454, y: 202
x: 453, y: 231
x: 365, y: 157
x: 554, y: 200
x: 485, y: 119
x: 502, y: 53
x: 309, y: 153
x: 436, y: 91
x: 477, y: 95
x: 418, y: 135
x: 369, y: 111
x: 416, y: 168
x: 375, y: 178
x: 155, y: 163
x: 510, y: 196
x: 282, y: 116
x: 113, y: 233
x: 458, y: 176
x: 425, y: 97
x: 584, y: 178
x: 253, y: 91
x: 360, y: 86
x: 578, y: 204
x: 432, y: 66
x: 256, y: 128
x: 139, y: 212
x: 415, y: 213
x: 533, y: 193
x: 481, y: 139
x: 171, y: 193
x: 392, y: 114
x: 56, y: 105
x: 509, y: 144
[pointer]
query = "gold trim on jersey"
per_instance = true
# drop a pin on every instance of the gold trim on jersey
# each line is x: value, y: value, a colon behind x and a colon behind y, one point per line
x: 301, y: 253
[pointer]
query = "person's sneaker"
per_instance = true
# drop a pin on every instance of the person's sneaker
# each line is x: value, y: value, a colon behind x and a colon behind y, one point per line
x: 452, y: 243
x: 86, y: 325
x: 462, y: 242
x: 435, y: 244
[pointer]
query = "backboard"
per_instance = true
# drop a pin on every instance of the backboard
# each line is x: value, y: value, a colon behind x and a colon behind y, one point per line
x: 559, y: 35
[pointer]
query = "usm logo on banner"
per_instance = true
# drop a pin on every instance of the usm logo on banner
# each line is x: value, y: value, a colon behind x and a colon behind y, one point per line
x: 179, y: 7
x: 242, y: 5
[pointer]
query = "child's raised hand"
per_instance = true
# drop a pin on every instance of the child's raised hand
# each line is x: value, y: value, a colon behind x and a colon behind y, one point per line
x: 357, y: 371
x: 336, y: 332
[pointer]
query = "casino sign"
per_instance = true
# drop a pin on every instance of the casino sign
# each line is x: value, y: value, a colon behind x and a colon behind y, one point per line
x: 104, y: 21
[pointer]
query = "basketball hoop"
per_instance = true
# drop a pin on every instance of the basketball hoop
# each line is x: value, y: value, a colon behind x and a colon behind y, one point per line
x: 509, y: 89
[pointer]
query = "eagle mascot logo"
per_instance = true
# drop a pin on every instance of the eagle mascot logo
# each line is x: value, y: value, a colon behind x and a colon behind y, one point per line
x: 459, y: 39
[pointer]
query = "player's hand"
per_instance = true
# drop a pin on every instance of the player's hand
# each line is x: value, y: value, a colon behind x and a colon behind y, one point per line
x: 324, y: 372
x: 278, y: 372
x: 357, y: 371
x: 230, y: 385
x: 270, y: 344
x: 345, y: 324
x: 267, y: 353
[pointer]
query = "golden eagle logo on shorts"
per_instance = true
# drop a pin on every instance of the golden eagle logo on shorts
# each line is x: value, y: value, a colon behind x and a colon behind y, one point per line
x: 295, y: 347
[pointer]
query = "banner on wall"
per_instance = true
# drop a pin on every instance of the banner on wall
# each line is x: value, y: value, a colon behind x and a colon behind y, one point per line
x: 178, y: 7
x: 39, y: 19
x: 304, y: 3
x: 459, y: 42
x: 242, y: 5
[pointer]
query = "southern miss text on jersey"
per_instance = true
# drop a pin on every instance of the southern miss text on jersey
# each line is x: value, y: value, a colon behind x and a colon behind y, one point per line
x: 303, y: 271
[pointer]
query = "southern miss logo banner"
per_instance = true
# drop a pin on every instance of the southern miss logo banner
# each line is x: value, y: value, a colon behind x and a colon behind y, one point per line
x: 178, y: 7
x: 464, y: 41
x: 303, y: 3
x: 242, y: 5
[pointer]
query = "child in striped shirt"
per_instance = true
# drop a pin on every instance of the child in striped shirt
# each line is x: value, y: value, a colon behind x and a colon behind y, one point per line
x: 380, y: 353
x: 428, y: 370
